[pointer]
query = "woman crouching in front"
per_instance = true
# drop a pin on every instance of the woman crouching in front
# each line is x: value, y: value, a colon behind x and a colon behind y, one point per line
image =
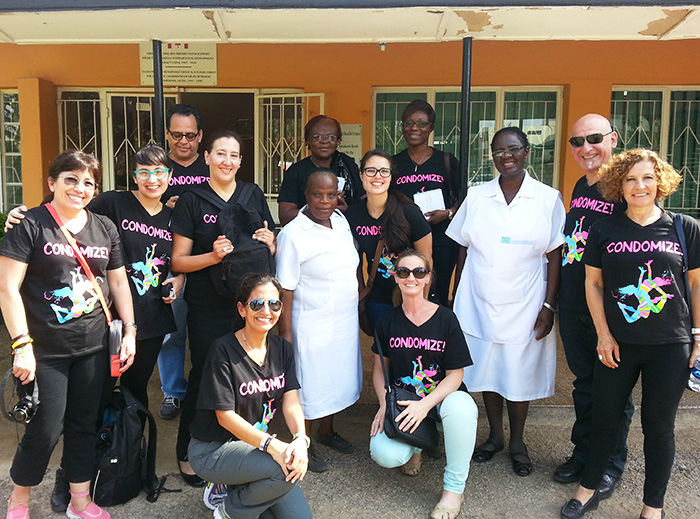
x: 436, y: 376
x: 249, y: 376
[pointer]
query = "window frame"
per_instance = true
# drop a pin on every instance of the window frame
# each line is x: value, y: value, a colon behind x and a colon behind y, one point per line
x: 4, y: 206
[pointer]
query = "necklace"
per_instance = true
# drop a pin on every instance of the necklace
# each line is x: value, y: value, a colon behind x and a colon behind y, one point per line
x: 421, y: 159
x: 257, y: 355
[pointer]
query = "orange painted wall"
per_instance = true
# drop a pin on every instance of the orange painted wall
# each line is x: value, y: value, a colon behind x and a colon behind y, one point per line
x: 347, y: 73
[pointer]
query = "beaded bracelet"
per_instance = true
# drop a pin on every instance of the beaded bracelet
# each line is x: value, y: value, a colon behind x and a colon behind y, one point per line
x: 20, y: 350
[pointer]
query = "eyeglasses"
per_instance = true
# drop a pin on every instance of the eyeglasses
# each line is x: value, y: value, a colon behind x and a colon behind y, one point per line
x: 372, y: 172
x: 418, y: 272
x: 418, y: 124
x: 510, y: 151
x: 330, y: 138
x: 72, y: 181
x: 190, y: 136
x: 144, y: 174
x: 275, y: 305
x: 593, y: 138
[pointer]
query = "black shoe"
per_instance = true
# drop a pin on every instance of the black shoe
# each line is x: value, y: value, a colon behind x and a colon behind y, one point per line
x: 569, y: 471
x: 60, y: 497
x: 574, y: 509
x: 608, y: 485
x: 170, y: 408
x: 317, y: 463
x: 335, y: 442
x: 192, y: 480
x: 482, y: 455
x: 522, y: 465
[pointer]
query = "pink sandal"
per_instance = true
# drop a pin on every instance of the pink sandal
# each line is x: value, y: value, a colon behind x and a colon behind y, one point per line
x: 18, y: 512
x: 91, y: 511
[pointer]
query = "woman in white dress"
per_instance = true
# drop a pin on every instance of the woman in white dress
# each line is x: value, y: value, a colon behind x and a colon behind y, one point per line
x: 317, y: 265
x: 512, y: 227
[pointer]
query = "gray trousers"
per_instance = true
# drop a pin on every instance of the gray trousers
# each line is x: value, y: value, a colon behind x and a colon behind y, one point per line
x: 256, y: 482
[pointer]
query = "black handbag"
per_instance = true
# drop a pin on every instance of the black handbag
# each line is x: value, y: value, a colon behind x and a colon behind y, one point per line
x: 426, y: 435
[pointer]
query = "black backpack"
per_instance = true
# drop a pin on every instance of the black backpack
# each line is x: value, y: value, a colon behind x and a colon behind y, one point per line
x: 126, y: 462
x: 238, y: 222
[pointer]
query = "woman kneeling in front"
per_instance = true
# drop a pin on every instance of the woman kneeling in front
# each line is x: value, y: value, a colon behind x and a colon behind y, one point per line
x: 436, y: 376
x: 249, y: 376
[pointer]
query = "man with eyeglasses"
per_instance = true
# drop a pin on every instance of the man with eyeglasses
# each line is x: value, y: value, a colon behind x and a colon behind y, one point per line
x: 592, y: 141
x: 183, y: 134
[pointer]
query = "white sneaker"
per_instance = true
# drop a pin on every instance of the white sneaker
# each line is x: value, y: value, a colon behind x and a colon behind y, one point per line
x: 220, y: 513
x: 214, y: 495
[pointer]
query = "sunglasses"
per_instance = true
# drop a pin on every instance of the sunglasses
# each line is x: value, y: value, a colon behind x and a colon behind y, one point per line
x: 190, y: 136
x: 593, y: 138
x: 418, y: 272
x: 510, y: 151
x: 144, y: 174
x: 275, y: 305
x: 71, y: 181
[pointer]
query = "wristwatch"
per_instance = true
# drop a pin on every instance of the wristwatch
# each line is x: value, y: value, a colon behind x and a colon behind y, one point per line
x: 450, y: 214
x: 131, y: 324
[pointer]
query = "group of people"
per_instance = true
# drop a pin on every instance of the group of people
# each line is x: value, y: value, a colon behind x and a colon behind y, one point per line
x: 515, y: 253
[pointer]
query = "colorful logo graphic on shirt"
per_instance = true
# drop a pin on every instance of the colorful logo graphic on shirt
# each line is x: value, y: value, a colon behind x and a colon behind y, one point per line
x: 268, y: 413
x: 650, y: 296
x: 80, y: 295
x: 386, y: 263
x: 575, y: 244
x: 146, y: 274
x: 421, y: 379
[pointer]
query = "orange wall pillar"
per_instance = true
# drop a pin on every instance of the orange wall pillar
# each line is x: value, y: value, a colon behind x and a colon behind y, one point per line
x: 38, y: 123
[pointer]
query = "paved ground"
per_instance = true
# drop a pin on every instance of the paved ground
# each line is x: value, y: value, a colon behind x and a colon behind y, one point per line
x: 355, y: 487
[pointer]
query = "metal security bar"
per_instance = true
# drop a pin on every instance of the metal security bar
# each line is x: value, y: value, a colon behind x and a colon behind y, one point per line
x: 10, y: 153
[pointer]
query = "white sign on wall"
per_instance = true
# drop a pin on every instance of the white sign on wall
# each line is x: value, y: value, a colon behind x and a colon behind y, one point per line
x: 183, y: 64
x: 352, y: 141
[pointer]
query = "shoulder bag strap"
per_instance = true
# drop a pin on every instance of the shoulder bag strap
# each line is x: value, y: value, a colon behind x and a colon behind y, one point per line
x: 448, y: 173
x: 381, y: 360
x: 375, y: 265
x: 210, y: 197
x: 81, y: 259
x: 246, y: 193
x: 678, y: 224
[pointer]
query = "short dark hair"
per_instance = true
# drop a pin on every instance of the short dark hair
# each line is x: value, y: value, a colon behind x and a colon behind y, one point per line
x: 319, y: 172
x: 418, y: 105
x: 317, y: 119
x: 512, y: 129
x: 152, y: 155
x: 223, y: 134
x: 255, y: 279
x: 185, y: 111
x: 75, y: 160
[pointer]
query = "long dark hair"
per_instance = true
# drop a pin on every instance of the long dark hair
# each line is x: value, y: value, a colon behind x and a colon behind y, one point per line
x: 396, y: 231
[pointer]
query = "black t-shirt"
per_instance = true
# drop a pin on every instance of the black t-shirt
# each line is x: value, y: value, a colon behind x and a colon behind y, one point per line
x: 643, y: 279
x: 231, y: 381
x: 421, y: 355
x: 184, y: 177
x: 147, y: 244
x: 587, y: 206
x: 64, y: 314
x: 430, y: 175
x: 367, y: 230
x: 195, y: 218
x: 294, y: 182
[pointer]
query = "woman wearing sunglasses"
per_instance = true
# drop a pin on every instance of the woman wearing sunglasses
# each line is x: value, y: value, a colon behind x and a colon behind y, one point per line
x: 52, y: 311
x: 424, y: 351
x: 198, y: 250
x: 248, y: 378
x: 315, y: 251
x: 385, y: 215
x: 322, y: 135
x: 506, y: 291
x: 424, y: 171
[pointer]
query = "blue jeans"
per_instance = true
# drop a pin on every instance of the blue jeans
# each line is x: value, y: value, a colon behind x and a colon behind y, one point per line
x: 459, y: 414
x: 171, y: 361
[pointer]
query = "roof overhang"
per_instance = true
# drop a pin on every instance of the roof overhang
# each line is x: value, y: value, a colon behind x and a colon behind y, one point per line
x: 318, y: 21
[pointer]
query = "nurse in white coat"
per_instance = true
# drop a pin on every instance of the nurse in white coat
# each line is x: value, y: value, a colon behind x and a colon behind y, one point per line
x: 512, y: 228
x: 317, y: 265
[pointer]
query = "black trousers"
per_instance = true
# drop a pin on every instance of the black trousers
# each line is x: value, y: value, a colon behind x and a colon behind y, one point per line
x: 69, y: 394
x: 205, y: 324
x: 136, y: 377
x: 665, y: 371
x: 580, y: 340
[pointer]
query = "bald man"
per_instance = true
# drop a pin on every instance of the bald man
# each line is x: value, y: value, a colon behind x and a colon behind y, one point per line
x: 592, y: 140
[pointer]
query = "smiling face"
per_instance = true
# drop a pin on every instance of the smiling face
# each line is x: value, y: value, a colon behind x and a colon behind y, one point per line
x: 72, y: 190
x: 224, y: 159
x: 322, y: 197
x: 590, y: 157
x: 413, y: 134
x: 182, y: 150
x: 152, y: 187
x: 376, y: 185
x: 264, y: 319
x: 411, y: 285
x: 640, y: 184
x: 509, y: 154
x: 324, y: 148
